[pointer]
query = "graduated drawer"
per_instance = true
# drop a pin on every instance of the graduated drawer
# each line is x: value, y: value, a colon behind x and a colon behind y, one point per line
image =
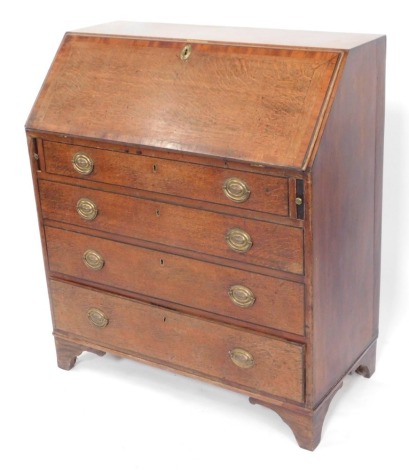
x: 230, y: 292
x: 221, y: 353
x: 206, y: 183
x: 255, y: 242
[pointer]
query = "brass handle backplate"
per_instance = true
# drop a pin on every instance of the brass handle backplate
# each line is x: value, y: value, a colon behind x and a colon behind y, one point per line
x: 82, y: 163
x: 97, y: 318
x: 93, y: 260
x: 236, y: 190
x: 241, y: 358
x: 242, y: 296
x: 87, y: 209
x: 239, y: 240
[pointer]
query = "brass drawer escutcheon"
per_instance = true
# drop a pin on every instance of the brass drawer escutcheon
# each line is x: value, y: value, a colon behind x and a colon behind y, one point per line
x: 97, y: 318
x: 236, y: 190
x: 242, y: 296
x: 82, y: 163
x: 185, y: 52
x: 239, y: 240
x: 241, y: 358
x: 87, y: 209
x: 93, y: 260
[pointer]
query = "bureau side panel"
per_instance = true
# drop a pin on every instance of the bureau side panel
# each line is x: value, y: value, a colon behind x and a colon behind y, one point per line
x: 345, y: 220
x: 379, y: 142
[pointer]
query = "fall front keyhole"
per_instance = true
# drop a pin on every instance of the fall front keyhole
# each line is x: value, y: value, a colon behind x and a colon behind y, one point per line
x: 186, y: 51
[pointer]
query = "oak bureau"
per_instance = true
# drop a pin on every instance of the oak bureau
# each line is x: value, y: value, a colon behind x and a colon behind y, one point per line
x: 209, y: 202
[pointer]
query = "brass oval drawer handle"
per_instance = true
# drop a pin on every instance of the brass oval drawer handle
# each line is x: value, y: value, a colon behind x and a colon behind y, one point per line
x: 87, y: 209
x: 241, y: 358
x: 93, y: 260
x: 97, y: 318
x: 236, y: 190
x: 242, y: 296
x: 82, y: 163
x: 239, y: 240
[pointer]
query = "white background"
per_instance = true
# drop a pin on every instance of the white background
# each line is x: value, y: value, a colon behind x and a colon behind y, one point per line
x: 110, y: 413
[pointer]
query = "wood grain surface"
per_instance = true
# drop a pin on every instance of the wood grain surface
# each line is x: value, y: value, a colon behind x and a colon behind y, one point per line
x: 274, y: 246
x: 279, y: 303
x: 251, y: 104
x: 193, y: 181
x: 181, y: 340
x: 345, y: 244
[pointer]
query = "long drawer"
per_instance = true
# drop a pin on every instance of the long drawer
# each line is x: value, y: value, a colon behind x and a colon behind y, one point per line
x: 250, y: 297
x: 212, y: 350
x: 255, y: 242
x: 201, y: 182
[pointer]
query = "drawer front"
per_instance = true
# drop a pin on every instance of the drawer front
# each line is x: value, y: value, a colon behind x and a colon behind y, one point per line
x: 249, y: 297
x: 245, y: 190
x: 255, y: 242
x: 198, y: 346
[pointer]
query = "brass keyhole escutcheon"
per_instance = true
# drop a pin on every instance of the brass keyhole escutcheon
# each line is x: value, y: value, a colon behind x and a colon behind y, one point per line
x: 185, y: 52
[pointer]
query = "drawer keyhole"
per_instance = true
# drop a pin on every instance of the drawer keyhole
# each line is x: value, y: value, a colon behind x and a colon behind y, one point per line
x: 185, y: 52
x: 162, y: 262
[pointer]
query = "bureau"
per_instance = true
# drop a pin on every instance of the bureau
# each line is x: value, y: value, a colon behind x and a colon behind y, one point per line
x: 209, y: 202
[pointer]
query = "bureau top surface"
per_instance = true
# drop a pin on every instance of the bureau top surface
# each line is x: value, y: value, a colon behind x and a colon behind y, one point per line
x: 164, y: 86
x: 261, y: 36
